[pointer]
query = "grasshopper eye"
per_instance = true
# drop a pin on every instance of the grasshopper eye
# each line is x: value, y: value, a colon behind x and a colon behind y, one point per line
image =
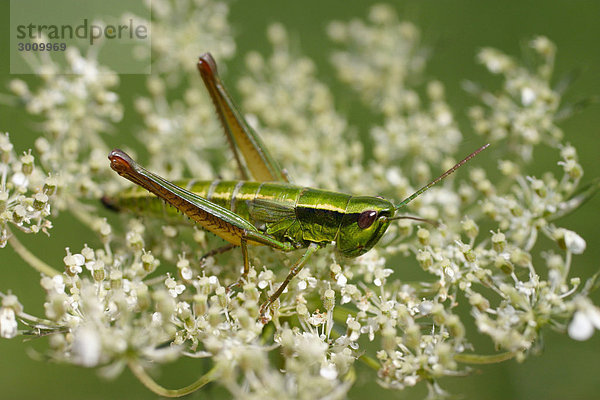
x: 366, y: 219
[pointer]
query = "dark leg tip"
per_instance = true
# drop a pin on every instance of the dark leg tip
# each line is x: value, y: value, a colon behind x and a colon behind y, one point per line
x: 109, y: 203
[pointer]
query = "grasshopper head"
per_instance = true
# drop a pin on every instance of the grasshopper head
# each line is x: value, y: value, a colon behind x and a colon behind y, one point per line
x: 367, y: 218
x: 365, y: 221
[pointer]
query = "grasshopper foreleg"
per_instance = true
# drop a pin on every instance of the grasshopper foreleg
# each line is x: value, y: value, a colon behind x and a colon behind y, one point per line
x: 313, y: 247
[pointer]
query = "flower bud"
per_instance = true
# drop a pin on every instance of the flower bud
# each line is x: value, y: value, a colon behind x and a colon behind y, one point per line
x: 335, y: 269
x: 169, y: 231
x: 116, y: 279
x: 19, y: 213
x: 455, y: 326
x: 405, y: 227
x: 73, y: 262
x: 489, y: 209
x: 19, y: 88
x: 467, y: 252
x: 572, y: 168
x: 498, y: 241
x: 569, y: 240
x: 39, y: 201
x: 103, y: 228
x: 470, y: 228
x: 520, y: 257
x: 425, y: 260
x: 423, y: 236
x: 539, y: 187
x: 222, y: 296
x: 329, y: 299
x: 99, y: 273
x: 134, y: 240
x: 479, y: 302
x: 50, y: 186
x: 515, y: 209
x: 251, y: 291
x: 6, y: 149
x: 88, y: 253
x: 485, y: 187
x: 302, y: 311
x: 508, y: 168
x: 149, y: 263
x: 185, y: 270
x: 11, y: 301
x: 199, y: 236
x: 568, y: 152
x: 504, y: 265
x: 27, y: 163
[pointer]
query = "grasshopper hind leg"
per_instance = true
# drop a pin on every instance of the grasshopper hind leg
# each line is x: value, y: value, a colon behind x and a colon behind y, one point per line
x: 252, y: 156
x: 217, y: 251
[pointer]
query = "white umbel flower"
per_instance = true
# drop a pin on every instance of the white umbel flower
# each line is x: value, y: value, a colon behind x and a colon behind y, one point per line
x: 87, y: 346
x: 585, y: 319
x: 8, y: 323
x: 574, y: 243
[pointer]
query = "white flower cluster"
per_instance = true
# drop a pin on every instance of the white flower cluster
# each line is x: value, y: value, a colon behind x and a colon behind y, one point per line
x: 185, y: 29
x: 525, y: 112
x: 25, y: 192
x: 76, y: 110
x: 143, y: 296
x: 384, y: 47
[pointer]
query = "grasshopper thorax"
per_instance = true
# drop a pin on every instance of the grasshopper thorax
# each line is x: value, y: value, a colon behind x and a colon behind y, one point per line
x: 365, y: 221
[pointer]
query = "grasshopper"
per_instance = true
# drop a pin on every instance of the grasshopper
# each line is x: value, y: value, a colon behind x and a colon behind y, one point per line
x: 263, y: 208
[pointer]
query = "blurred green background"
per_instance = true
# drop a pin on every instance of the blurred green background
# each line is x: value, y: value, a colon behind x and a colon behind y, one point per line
x: 454, y: 30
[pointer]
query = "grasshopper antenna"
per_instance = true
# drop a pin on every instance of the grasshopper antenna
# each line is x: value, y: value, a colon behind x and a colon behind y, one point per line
x: 427, y: 221
x: 439, y: 178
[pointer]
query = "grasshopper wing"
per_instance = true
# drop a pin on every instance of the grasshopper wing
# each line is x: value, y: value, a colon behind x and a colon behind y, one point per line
x: 276, y: 217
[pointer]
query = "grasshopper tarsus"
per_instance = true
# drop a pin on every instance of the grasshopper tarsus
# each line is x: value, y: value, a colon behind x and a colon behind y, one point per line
x: 233, y: 285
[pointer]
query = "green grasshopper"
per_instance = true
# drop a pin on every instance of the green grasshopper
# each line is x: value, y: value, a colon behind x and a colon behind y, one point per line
x: 269, y: 210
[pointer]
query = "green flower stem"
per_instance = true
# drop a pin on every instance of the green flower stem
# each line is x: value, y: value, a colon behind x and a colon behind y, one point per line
x: 483, y: 359
x: 30, y: 258
x: 350, y: 376
x: 340, y: 313
x: 370, y: 362
x: 151, y: 384
x: 84, y: 216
